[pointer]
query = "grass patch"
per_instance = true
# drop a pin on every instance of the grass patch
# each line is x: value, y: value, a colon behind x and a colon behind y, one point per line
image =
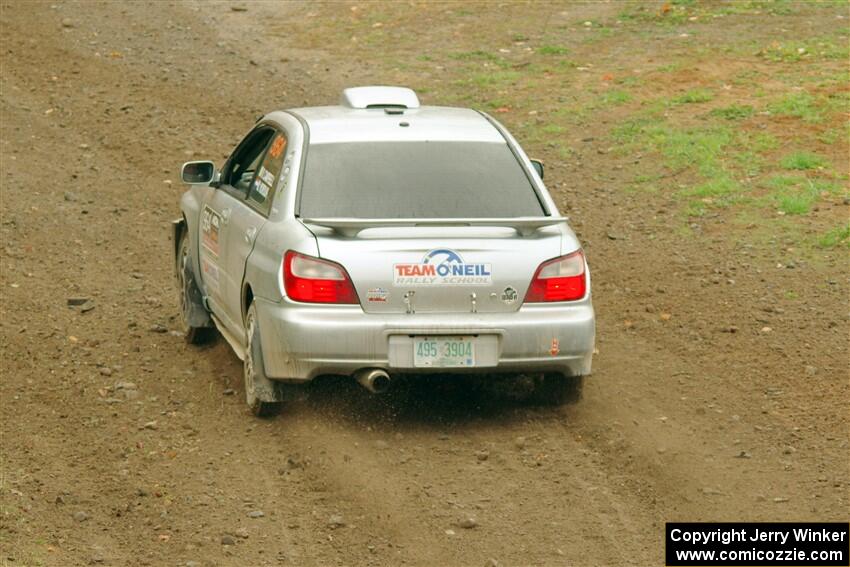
x: 701, y: 148
x: 802, y: 161
x: 552, y: 129
x: 734, y: 112
x: 718, y: 187
x: 795, y: 204
x: 796, y: 195
x: 491, y: 80
x: 477, y: 55
x: 694, y: 96
x: 616, y: 97
x: 838, y: 236
x: 812, y: 48
x: 799, y: 105
x: 552, y: 50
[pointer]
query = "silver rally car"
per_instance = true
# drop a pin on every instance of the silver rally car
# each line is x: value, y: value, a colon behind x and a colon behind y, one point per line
x: 378, y: 238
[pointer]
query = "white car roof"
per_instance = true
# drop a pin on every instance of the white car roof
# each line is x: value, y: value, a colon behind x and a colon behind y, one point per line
x: 336, y: 124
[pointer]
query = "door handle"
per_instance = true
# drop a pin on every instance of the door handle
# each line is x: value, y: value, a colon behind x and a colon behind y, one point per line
x: 250, y: 233
x: 225, y: 216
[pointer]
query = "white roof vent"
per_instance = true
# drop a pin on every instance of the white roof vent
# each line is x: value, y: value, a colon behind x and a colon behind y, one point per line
x: 379, y: 97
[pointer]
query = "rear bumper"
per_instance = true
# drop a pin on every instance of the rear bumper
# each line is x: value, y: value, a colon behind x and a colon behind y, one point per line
x: 301, y: 341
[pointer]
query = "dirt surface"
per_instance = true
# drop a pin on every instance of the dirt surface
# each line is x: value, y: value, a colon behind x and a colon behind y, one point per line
x: 715, y: 396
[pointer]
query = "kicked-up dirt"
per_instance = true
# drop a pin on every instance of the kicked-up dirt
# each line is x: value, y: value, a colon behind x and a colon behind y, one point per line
x: 716, y: 395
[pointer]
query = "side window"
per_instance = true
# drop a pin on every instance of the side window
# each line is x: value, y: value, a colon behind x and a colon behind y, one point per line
x: 243, y: 165
x: 261, y: 191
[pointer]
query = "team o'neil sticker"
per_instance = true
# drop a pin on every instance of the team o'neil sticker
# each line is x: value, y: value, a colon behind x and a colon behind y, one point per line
x: 442, y: 267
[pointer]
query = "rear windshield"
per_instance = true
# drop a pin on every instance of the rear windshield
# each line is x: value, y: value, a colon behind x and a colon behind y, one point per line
x: 416, y: 180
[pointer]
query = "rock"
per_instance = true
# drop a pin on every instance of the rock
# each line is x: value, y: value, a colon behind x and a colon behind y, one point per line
x: 105, y: 371
x: 482, y: 455
x: 70, y: 197
x: 519, y: 443
x: 76, y: 301
x: 766, y: 329
x: 238, y: 8
x: 811, y: 370
x: 241, y: 533
x: 229, y: 392
x: 157, y: 328
x: 256, y: 514
x: 150, y: 425
x: 228, y: 539
x: 336, y: 521
x: 125, y: 386
x: 80, y: 516
x: 613, y: 236
x: 86, y: 307
x: 780, y: 499
x: 468, y: 523
x: 67, y: 23
x: 743, y: 455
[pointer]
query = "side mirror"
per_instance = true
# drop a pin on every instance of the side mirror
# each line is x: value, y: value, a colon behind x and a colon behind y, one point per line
x: 195, y: 172
x: 538, y: 167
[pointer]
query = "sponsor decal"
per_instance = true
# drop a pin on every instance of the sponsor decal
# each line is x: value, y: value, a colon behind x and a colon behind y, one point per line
x: 263, y: 190
x: 277, y: 146
x: 555, y: 348
x: 267, y: 176
x: 442, y: 267
x: 210, y: 274
x: 377, y: 295
x: 210, y: 225
x: 509, y: 295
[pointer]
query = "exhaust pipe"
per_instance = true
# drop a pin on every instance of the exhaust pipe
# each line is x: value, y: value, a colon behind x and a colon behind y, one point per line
x: 375, y: 380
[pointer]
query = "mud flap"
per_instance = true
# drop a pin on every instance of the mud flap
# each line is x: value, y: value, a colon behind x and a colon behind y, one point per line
x: 198, y: 316
x: 265, y: 389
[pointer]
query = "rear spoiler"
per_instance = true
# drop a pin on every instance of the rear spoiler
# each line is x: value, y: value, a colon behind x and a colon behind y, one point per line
x: 352, y: 227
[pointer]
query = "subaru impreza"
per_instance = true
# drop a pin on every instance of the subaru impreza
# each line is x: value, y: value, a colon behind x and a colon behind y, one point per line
x: 379, y: 238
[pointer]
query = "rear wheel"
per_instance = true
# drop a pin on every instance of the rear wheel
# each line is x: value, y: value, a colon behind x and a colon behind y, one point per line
x: 260, y: 392
x: 188, y: 290
x: 557, y: 389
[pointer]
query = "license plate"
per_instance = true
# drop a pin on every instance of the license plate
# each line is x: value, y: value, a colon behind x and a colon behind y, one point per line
x: 443, y: 352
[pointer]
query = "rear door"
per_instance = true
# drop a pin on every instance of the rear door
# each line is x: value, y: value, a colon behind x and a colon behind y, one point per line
x: 232, y: 217
x: 441, y: 270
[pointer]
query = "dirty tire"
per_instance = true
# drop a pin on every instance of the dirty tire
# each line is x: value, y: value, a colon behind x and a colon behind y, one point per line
x: 193, y: 335
x: 557, y: 389
x: 256, y: 380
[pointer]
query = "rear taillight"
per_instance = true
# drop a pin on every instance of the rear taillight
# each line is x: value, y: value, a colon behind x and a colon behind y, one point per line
x: 312, y: 280
x: 561, y: 279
